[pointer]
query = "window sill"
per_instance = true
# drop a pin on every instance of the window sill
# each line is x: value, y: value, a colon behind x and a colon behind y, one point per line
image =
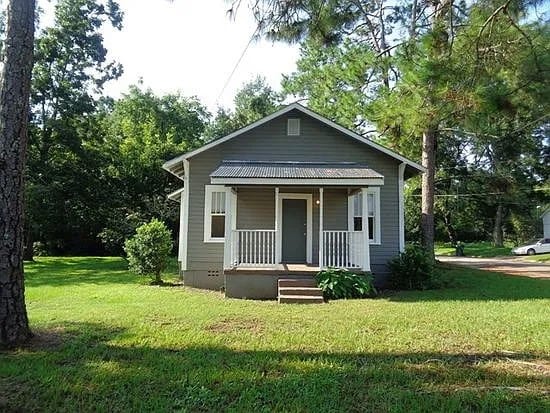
x: 215, y: 240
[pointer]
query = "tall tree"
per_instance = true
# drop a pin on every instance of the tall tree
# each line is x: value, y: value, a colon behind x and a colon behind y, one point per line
x: 408, y: 55
x: 14, y: 105
x: 142, y: 131
x: 70, y: 71
x: 254, y: 100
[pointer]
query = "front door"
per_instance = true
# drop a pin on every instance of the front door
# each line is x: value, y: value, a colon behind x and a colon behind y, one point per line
x: 294, y: 230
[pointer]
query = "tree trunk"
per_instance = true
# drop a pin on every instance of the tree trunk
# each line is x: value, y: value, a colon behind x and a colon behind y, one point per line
x: 498, y: 236
x: 14, y: 111
x: 428, y: 188
x: 451, y: 233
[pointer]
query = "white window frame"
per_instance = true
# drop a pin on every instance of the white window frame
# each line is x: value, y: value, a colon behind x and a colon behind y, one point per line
x: 376, y: 235
x: 293, y: 130
x: 208, y: 191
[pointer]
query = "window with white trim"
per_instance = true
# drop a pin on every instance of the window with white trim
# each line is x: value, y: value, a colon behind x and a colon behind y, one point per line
x: 293, y: 127
x: 214, y: 213
x: 355, y: 210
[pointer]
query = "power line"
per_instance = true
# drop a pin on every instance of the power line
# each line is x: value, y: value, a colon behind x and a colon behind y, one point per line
x: 237, y: 64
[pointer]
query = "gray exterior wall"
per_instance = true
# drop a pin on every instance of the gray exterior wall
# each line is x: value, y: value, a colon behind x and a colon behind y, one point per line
x: 269, y: 142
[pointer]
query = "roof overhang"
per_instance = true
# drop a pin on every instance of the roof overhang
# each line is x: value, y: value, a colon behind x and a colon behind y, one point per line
x: 295, y: 173
x: 175, y: 165
x: 298, y: 181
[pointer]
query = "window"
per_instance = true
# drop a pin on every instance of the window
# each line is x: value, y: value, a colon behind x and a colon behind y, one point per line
x: 355, y: 210
x: 214, y: 213
x: 293, y: 127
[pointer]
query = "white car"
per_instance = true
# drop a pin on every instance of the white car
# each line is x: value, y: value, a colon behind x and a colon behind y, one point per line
x: 537, y: 247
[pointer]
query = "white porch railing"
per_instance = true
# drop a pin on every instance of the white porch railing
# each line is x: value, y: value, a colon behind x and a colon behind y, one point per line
x: 253, y: 247
x: 342, y: 249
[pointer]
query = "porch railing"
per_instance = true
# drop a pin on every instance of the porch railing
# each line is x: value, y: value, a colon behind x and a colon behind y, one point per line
x: 342, y: 249
x: 253, y: 247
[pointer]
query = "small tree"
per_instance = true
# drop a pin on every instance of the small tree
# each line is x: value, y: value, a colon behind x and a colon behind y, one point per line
x: 149, y: 249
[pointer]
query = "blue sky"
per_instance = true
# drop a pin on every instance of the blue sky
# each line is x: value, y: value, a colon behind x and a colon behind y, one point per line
x: 190, y: 46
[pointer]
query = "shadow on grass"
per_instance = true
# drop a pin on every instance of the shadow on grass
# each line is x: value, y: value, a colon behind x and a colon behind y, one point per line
x: 91, y: 371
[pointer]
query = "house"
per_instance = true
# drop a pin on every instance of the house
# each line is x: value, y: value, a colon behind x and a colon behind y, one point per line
x: 283, y: 197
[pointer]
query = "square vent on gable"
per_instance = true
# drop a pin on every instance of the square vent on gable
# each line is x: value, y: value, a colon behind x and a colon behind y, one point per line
x: 293, y: 127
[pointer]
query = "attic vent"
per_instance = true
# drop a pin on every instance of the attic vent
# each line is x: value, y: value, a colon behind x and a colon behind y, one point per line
x: 293, y: 127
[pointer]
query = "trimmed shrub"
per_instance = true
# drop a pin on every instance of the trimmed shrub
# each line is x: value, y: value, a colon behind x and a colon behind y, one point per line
x: 339, y: 283
x: 414, y: 269
x: 148, y: 250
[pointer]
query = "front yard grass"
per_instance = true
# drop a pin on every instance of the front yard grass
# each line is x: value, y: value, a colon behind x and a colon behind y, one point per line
x: 108, y: 342
x: 482, y: 249
x: 544, y: 258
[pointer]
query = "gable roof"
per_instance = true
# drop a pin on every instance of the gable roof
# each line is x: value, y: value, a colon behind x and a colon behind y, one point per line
x: 174, y: 165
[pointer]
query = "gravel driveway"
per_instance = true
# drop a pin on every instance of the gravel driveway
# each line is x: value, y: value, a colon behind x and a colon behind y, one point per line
x: 508, y: 265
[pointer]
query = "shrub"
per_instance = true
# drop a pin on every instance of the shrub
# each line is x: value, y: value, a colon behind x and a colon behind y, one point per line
x: 414, y: 269
x: 149, y: 249
x: 339, y: 283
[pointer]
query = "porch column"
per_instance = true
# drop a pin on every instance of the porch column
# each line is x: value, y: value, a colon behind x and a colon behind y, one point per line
x: 365, y: 225
x: 277, y: 232
x: 321, y: 240
x: 228, y: 235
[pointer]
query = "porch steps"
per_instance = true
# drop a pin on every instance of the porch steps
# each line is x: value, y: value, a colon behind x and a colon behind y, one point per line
x: 299, y: 291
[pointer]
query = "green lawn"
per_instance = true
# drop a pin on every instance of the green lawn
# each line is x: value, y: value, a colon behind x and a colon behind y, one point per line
x: 107, y: 342
x: 475, y: 249
x: 545, y: 258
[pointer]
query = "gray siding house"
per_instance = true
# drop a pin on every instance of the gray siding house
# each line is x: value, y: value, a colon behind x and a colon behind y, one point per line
x: 285, y: 196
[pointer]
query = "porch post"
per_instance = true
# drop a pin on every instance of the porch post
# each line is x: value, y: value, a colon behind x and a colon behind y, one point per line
x: 321, y: 240
x: 277, y: 235
x: 228, y: 234
x: 365, y: 224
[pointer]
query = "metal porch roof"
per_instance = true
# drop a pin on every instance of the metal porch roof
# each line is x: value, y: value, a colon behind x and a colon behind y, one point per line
x: 294, y: 170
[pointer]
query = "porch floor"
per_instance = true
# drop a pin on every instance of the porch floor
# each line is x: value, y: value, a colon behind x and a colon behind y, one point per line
x: 280, y: 269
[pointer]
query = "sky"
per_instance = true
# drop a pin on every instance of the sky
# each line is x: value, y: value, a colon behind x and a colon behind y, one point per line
x: 190, y: 46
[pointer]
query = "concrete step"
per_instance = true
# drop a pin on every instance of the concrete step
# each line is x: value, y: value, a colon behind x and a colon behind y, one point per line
x: 300, y: 299
x: 311, y: 291
x: 297, y: 282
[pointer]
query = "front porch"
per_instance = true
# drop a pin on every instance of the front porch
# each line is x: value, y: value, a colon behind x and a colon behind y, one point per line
x: 297, y: 243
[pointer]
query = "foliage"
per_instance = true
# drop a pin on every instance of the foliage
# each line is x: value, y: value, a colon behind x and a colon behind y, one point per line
x: 142, y: 131
x: 468, y: 77
x: 254, y: 100
x: 67, y: 195
x: 149, y: 249
x: 338, y: 283
x: 414, y: 269
x: 113, y: 346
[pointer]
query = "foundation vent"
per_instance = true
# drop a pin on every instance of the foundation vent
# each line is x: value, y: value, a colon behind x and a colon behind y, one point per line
x: 213, y: 273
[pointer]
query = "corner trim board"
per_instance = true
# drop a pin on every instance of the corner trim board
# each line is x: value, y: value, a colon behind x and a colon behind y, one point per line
x: 401, y: 194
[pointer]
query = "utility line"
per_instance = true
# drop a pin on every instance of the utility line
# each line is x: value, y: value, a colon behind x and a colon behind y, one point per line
x: 237, y: 64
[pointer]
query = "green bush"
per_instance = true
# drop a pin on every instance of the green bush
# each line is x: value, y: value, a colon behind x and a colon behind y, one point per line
x: 339, y: 283
x: 414, y: 269
x: 148, y: 250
